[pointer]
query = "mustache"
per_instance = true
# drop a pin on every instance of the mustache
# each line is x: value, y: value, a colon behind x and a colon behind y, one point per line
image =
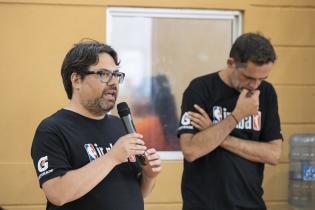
x: 110, y: 90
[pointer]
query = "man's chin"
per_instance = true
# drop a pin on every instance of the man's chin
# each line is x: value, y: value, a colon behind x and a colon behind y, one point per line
x: 108, y: 106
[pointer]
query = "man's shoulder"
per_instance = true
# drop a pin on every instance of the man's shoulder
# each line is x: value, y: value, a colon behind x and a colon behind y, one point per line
x: 65, y: 116
x: 266, y: 87
x: 205, y: 77
x: 55, y: 119
x: 204, y: 80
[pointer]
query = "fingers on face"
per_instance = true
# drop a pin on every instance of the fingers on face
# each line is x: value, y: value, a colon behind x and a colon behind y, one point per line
x: 244, y: 92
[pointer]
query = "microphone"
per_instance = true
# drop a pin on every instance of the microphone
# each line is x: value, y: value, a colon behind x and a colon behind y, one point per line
x: 125, y: 116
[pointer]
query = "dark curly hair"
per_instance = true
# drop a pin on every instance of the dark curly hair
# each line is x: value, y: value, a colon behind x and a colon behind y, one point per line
x: 252, y: 47
x: 80, y: 58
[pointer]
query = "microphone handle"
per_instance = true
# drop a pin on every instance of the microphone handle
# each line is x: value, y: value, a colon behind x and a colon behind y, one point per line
x: 130, y: 128
x: 128, y: 123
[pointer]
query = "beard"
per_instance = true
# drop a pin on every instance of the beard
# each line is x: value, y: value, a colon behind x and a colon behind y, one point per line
x: 99, y: 106
x: 106, y: 105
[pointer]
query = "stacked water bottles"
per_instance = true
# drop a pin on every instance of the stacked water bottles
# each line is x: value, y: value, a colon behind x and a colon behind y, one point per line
x: 302, y: 172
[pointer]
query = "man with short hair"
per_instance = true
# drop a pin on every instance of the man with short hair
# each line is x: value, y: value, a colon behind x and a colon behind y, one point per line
x: 229, y: 129
x: 81, y: 152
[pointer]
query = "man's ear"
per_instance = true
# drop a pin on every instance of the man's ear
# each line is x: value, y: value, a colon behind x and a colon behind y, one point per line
x: 76, y: 80
x: 230, y: 62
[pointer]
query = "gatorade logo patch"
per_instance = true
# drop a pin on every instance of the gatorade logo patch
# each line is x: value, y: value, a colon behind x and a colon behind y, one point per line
x: 185, y: 122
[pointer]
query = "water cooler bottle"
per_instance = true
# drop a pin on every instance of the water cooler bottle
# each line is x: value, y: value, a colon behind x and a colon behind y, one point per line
x: 302, y: 172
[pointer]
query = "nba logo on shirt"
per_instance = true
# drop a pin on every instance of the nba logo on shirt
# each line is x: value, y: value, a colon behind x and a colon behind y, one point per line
x: 257, y: 121
x: 217, y: 114
x: 90, y: 151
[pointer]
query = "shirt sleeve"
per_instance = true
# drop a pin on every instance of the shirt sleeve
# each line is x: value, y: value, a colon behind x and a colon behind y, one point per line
x: 271, y: 129
x: 190, y: 97
x: 49, y: 153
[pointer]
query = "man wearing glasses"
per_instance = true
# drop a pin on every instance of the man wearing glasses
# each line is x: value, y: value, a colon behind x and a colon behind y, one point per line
x: 81, y: 153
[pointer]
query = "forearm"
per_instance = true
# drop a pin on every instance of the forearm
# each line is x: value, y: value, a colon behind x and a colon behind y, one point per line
x: 147, y: 185
x: 76, y: 183
x: 207, y: 140
x: 262, y: 152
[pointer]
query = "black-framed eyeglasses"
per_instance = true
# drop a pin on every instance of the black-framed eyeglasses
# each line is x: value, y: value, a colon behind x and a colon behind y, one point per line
x: 106, y: 75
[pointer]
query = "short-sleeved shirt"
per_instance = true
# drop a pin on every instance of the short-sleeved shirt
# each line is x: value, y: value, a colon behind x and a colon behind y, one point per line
x: 221, y: 179
x: 67, y: 141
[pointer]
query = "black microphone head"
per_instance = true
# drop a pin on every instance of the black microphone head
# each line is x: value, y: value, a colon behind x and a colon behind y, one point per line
x: 123, y: 109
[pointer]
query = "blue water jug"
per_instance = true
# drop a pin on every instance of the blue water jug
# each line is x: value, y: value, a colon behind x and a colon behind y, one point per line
x: 302, y: 171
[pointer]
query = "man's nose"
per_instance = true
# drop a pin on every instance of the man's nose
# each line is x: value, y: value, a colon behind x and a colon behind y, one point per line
x: 114, y: 80
x: 254, y: 84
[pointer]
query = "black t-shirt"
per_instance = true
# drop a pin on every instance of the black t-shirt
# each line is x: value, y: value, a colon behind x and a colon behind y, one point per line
x: 66, y: 141
x: 222, y: 180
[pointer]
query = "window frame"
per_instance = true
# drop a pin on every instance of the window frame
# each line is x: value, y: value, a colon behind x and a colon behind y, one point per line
x: 233, y: 15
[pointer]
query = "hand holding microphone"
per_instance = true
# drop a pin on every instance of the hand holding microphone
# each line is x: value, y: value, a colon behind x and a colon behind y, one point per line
x: 127, y: 147
x: 125, y: 115
x: 148, y: 159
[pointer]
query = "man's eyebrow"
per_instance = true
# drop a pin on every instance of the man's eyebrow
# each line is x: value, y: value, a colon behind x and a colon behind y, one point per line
x: 104, y: 69
x: 248, y: 77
